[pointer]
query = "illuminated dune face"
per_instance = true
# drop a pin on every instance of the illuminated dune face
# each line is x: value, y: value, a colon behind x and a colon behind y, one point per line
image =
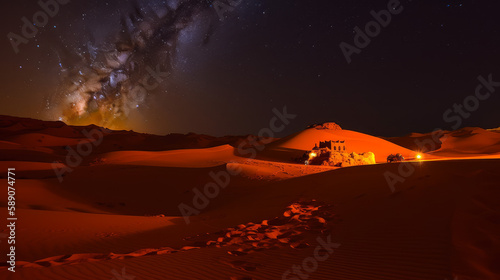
x: 354, y: 142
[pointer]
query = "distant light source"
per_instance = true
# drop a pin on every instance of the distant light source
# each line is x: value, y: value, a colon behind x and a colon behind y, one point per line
x: 311, y: 155
x: 419, y: 156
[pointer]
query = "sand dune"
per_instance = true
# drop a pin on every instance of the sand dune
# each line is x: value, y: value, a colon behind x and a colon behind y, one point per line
x: 116, y: 215
x: 44, y: 140
x: 381, y: 234
x: 178, y: 158
x: 471, y: 141
x: 465, y: 142
x: 305, y: 140
x: 32, y: 132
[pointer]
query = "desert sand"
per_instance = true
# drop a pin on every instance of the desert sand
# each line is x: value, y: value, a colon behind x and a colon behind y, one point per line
x: 116, y: 214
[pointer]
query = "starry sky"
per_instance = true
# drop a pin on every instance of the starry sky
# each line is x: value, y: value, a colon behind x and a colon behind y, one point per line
x: 178, y: 66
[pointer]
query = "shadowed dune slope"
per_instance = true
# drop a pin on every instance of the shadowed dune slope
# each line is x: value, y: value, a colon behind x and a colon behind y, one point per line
x: 441, y: 221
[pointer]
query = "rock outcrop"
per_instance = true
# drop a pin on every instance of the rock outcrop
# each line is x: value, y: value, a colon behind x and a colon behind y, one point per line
x: 327, y: 126
x: 350, y: 159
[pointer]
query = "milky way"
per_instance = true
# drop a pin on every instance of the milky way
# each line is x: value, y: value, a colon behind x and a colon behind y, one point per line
x: 165, y: 66
x: 105, y: 83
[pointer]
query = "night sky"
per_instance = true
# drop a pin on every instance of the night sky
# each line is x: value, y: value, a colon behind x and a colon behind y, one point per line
x: 92, y: 63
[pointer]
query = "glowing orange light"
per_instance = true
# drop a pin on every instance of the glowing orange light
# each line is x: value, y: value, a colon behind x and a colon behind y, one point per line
x: 419, y: 156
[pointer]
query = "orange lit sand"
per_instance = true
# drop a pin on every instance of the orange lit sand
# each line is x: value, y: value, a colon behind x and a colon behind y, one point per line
x: 121, y: 211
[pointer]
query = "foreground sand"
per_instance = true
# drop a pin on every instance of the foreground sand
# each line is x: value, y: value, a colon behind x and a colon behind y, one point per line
x: 118, y: 217
x: 442, y: 221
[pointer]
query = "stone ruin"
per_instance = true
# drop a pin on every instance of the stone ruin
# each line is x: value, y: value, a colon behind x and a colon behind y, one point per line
x: 340, y: 159
x: 333, y: 145
x: 333, y: 153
